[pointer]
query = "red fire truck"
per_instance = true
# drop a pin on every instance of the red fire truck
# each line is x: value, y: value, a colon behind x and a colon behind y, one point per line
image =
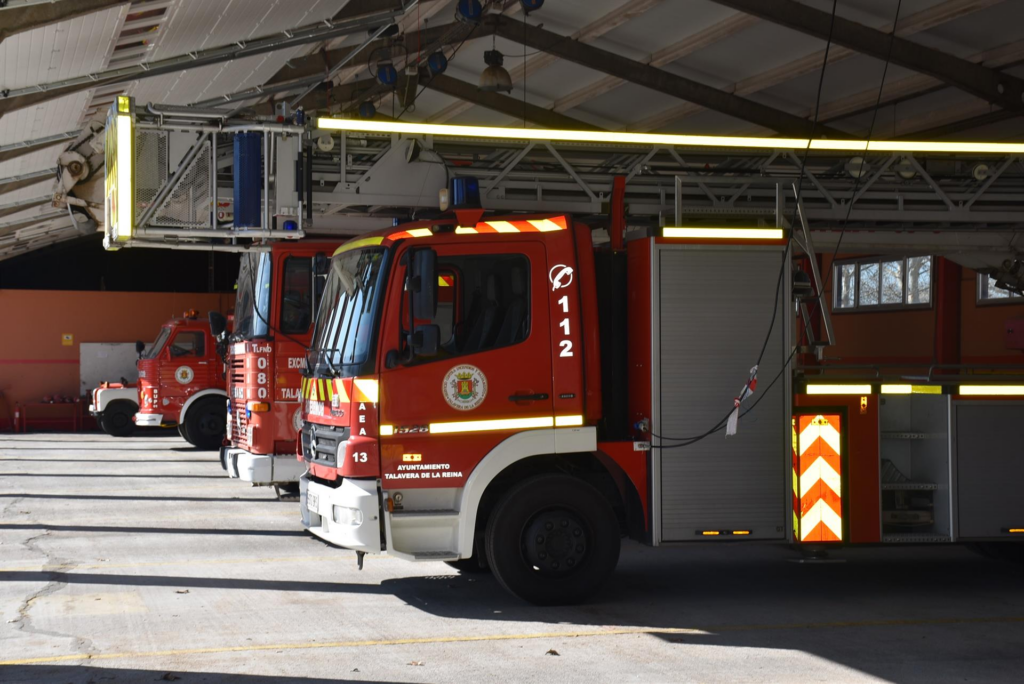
x: 467, y: 400
x: 181, y: 382
x: 278, y: 291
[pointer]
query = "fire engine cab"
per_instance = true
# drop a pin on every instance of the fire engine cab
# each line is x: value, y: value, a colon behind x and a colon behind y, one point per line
x: 181, y: 382
x: 278, y: 291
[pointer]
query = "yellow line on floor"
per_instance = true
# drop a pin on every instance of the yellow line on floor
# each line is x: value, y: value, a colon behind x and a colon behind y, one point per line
x: 503, y: 637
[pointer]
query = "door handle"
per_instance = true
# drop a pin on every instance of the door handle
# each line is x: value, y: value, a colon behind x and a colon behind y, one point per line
x: 528, y: 397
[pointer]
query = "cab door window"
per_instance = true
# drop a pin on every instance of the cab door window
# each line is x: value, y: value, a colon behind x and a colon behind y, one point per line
x: 296, y: 295
x: 188, y: 343
x: 483, y: 303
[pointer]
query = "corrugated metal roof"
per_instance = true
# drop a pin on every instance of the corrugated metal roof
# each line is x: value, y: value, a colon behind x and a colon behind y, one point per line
x: 62, y: 50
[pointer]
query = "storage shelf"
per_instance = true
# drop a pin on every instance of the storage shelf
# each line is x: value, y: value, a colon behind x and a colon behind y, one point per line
x: 914, y: 537
x: 913, y: 435
x: 909, y: 486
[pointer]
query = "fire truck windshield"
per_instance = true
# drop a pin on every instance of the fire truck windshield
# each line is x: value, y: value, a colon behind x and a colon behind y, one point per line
x: 346, y: 323
x: 158, y: 345
x: 252, y: 303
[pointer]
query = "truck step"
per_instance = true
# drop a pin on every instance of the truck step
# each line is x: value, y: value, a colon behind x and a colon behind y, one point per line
x: 434, y: 555
x: 435, y: 514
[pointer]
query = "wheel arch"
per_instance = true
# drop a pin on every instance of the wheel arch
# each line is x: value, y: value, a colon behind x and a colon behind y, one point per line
x: 537, y: 452
x: 212, y: 392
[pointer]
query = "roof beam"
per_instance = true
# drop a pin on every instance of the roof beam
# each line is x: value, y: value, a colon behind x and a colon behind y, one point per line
x: 811, y: 63
x: 304, y: 35
x: 998, y: 88
x: 15, y: 207
x: 1002, y: 57
x: 687, y: 46
x: 316, y: 63
x: 468, y: 92
x: 656, y: 79
x: 12, y: 183
x: 20, y: 19
x: 595, y: 29
x: 15, y: 150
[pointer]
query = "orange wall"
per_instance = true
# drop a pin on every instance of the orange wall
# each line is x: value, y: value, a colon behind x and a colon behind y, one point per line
x: 982, y: 328
x: 909, y: 335
x: 33, y: 360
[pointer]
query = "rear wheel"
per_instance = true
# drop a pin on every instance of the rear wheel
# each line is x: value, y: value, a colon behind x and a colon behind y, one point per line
x: 116, y: 419
x: 552, y: 540
x: 287, y: 492
x: 205, y: 423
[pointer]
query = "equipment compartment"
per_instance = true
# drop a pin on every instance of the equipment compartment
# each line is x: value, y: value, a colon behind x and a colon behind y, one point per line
x: 915, y: 468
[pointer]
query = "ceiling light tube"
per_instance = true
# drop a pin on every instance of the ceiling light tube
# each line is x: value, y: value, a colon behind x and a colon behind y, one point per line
x: 622, y: 138
x: 710, y: 233
x: 992, y: 390
x: 838, y: 389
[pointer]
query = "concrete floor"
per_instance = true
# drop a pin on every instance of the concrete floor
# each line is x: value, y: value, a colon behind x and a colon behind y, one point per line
x: 136, y: 560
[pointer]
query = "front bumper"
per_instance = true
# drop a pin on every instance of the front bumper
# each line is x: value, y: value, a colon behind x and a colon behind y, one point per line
x: 336, y: 527
x: 261, y: 469
x: 149, y: 419
x: 92, y: 410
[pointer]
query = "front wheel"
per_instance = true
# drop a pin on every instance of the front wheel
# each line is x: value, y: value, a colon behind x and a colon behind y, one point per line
x: 117, y: 421
x: 205, y: 423
x: 552, y: 540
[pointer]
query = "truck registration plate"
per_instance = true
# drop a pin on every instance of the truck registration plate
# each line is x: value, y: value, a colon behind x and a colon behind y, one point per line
x: 312, y: 501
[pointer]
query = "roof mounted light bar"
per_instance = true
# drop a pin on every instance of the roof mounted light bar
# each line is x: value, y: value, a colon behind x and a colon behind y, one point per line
x: 621, y: 138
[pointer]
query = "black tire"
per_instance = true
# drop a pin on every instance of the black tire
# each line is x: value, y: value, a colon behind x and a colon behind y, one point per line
x: 205, y: 423
x: 552, y: 540
x: 181, y: 431
x: 468, y: 566
x: 116, y: 419
x: 287, y: 492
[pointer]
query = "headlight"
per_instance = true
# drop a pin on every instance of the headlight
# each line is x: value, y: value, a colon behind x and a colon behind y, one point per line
x: 347, y: 516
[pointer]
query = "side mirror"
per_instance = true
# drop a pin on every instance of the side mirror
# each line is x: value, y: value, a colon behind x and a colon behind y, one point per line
x: 140, y: 347
x: 218, y: 324
x: 423, y: 284
x: 321, y: 264
x: 426, y: 340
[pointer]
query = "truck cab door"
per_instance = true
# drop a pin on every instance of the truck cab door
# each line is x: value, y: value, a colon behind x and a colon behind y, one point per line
x: 492, y: 375
x: 185, y: 361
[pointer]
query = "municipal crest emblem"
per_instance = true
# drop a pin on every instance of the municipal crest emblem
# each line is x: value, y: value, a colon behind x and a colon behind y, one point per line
x: 184, y: 375
x: 464, y: 387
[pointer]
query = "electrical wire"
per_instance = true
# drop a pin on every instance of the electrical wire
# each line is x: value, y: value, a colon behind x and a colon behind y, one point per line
x: 881, y: 87
x: 856, y: 184
x: 785, y: 255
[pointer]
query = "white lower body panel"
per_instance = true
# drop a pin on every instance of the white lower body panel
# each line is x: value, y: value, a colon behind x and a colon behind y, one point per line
x: 347, y: 516
x: 262, y: 469
x: 149, y: 419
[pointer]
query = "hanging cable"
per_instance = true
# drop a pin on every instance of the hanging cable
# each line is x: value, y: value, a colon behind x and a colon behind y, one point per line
x: 752, y: 380
x: 881, y: 87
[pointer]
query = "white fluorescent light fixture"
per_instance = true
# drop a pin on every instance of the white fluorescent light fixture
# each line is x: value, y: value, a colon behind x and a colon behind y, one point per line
x: 616, y: 137
x: 992, y: 390
x: 709, y: 233
x: 839, y: 389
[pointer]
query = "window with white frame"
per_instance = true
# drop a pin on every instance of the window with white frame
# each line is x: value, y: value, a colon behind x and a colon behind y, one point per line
x: 883, y: 282
x: 989, y: 292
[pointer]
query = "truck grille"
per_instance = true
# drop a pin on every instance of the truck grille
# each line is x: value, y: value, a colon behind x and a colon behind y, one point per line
x: 327, y: 440
x: 239, y: 425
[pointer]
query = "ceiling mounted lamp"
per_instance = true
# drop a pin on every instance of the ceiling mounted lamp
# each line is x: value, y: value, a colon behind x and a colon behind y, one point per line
x: 495, y: 77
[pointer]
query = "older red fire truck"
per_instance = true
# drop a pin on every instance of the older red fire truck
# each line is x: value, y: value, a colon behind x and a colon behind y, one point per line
x: 466, y: 400
x: 278, y: 291
x: 181, y: 382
